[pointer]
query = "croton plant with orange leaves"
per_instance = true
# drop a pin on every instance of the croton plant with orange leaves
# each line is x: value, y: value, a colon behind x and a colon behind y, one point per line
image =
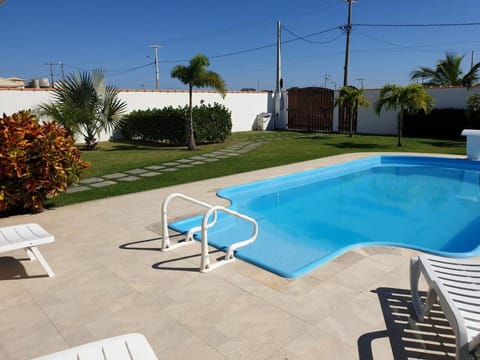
x: 37, y: 161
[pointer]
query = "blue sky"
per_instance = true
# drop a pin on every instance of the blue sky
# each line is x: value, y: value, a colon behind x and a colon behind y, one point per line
x: 115, y: 35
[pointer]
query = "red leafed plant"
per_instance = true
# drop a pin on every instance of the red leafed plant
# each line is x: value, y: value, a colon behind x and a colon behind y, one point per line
x: 37, y: 161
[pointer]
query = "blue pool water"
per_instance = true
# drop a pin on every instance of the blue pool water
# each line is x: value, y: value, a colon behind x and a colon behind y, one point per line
x: 308, y: 218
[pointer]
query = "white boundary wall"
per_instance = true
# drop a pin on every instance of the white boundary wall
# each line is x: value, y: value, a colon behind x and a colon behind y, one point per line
x: 245, y: 106
x: 386, y: 124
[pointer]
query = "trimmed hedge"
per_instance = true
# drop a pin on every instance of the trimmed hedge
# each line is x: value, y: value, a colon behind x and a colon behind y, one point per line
x: 211, y: 123
x: 440, y: 123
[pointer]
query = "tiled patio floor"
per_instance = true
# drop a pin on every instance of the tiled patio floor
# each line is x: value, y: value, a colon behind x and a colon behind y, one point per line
x: 112, y: 279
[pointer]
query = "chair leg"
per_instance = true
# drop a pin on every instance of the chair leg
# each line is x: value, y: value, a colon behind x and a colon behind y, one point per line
x: 30, y: 254
x: 42, y: 260
x: 414, y: 278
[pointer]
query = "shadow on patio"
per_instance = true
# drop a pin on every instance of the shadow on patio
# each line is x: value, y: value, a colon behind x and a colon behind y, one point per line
x: 432, y: 339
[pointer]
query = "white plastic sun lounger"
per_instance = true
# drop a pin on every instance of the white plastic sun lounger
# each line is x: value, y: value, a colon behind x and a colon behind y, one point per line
x: 28, y: 237
x: 455, y: 285
x: 132, y: 346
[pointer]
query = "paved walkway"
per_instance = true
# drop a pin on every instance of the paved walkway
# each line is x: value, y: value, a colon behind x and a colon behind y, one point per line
x: 161, y: 168
x: 111, y: 278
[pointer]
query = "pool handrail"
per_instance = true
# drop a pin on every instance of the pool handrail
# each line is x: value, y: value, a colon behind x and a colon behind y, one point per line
x: 211, y: 212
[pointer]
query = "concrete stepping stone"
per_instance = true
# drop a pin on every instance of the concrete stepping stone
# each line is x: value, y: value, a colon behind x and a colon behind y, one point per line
x: 155, y: 167
x: 91, y: 180
x: 75, y: 189
x: 149, y: 174
x: 114, y: 176
x: 197, y: 158
x: 197, y: 163
x: 183, y: 166
x: 171, y: 163
x: 136, y: 171
x: 129, y: 178
x: 211, y: 160
x: 184, y: 161
x: 170, y: 169
x: 103, y: 184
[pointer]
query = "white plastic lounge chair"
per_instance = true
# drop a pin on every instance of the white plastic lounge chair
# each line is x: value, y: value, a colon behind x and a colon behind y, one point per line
x: 28, y: 237
x: 132, y: 346
x: 455, y: 285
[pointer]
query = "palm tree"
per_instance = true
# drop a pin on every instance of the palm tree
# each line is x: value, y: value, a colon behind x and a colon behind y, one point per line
x: 196, y: 74
x: 447, y: 72
x: 473, y: 102
x: 410, y: 98
x: 352, y: 98
x: 83, y: 104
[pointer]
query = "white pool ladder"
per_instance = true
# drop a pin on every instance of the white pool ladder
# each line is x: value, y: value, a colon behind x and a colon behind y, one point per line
x: 212, y: 210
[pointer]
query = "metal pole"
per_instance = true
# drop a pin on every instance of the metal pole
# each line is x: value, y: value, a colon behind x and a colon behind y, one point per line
x: 51, y: 73
x: 278, y: 86
x: 157, y: 76
x: 62, y: 69
x: 348, y: 29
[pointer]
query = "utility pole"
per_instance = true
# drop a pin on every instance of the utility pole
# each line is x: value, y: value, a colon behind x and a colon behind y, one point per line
x: 51, y: 73
x: 157, y: 77
x: 279, y: 82
x: 361, y: 81
x: 348, y: 29
x: 327, y: 77
x: 63, y: 71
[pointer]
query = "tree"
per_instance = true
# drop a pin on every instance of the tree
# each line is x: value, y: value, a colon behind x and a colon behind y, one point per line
x: 447, y: 72
x: 83, y: 104
x: 351, y: 98
x: 196, y: 74
x: 410, y: 98
x: 473, y: 102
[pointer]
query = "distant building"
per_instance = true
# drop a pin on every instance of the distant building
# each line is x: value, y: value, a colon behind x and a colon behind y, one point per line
x: 12, y: 82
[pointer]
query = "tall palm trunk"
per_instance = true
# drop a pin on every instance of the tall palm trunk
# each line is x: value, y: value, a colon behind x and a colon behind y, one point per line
x: 352, y: 112
x: 191, y: 142
x: 400, y: 126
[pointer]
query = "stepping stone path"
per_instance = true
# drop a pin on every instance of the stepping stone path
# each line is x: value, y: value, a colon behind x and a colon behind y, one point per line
x: 156, y: 170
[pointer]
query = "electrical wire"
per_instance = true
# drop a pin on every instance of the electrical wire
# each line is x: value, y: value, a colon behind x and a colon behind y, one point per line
x: 132, y: 69
x: 392, y: 43
x: 304, y: 37
x: 297, y: 38
x: 419, y: 25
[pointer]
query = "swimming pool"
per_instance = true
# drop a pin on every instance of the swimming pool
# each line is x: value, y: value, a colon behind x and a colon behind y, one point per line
x: 306, y: 219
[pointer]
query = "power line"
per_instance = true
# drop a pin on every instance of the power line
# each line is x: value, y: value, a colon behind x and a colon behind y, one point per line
x: 419, y: 25
x: 304, y: 37
x: 132, y: 69
x: 297, y: 38
x: 392, y: 43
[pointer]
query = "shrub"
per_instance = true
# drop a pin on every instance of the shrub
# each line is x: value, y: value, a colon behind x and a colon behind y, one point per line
x: 212, y: 124
x: 37, y: 161
x: 156, y: 125
x: 440, y: 124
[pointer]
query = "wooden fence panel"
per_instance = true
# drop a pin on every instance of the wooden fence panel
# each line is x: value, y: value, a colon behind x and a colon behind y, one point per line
x: 310, y: 109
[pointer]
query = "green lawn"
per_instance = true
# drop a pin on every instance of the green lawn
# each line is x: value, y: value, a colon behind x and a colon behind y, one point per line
x: 279, y: 148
